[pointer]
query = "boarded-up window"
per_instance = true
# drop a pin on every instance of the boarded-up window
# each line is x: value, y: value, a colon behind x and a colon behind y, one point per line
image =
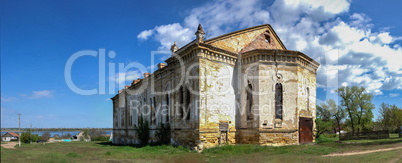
x: 278, y: 101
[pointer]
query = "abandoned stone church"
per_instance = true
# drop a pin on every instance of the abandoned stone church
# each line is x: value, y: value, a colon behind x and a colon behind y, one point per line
x: 243, y: 87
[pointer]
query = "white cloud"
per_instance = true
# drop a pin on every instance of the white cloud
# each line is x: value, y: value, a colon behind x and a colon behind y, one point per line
x: 41, y: 94
x: 124, y: 78
x: 167, y: 34
x: 9, y: 99
x: 348, y: 49
x: 385, y: 38
x: 394, y: 94
x: 145, y: 34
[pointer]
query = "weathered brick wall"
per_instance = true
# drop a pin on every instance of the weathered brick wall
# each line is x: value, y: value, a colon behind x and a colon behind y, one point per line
x: 266, y: 137
x: 213, y: 138
x: 247, y: 136
x: 279, y: 138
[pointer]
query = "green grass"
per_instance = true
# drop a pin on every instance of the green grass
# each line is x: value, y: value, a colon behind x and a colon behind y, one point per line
x: 106, y: 152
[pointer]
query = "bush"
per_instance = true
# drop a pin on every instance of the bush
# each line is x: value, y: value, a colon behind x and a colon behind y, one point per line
x: 27, y: 137
x: 322, y: 139
x: 163, y: 135
x: 100, y: 138
x: 143, y: 131
x: 330, y: 135
x: 46, y: 136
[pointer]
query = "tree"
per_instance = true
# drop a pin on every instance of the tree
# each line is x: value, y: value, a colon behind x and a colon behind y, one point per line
x: 323, y: 124
x: 143, y: 131
x: 390, y: 117
x: 98, y: 135
x: 56, y: 136
x: 66, y: 136
x: 27, y: 137
x: 329, y: 116
x: 358, y: 107
x: 45, y: 136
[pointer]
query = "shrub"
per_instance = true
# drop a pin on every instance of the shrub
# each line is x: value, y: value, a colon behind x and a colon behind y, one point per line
x: 143, y: 131
x: 27, y: 137
x: 163, y: 135
x: 46, y: 136
x: 330, y: 135
x: 100, y: 138
x: 322, y: 138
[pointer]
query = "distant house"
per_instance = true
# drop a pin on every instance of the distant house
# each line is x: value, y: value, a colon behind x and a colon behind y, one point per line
x: 80, y: 136
x: 10, y: 136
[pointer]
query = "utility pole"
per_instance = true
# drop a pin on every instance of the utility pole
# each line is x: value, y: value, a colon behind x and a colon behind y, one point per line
x: 19, y: 129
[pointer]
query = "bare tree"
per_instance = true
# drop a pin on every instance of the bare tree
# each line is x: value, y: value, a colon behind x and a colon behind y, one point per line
x: 46, y: 136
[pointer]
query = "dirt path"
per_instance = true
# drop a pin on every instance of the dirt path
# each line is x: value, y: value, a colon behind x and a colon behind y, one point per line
x: 362, y: 152
x: 9, y: 145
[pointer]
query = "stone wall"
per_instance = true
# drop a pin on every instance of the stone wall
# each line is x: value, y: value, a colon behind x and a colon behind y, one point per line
x: 278, y: 138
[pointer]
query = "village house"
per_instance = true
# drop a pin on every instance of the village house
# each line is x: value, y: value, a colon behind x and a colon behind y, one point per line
x: 10, y: 136
x: 243, y: 87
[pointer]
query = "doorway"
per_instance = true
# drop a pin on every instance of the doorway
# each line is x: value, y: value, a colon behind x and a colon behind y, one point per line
x: 305, y: 130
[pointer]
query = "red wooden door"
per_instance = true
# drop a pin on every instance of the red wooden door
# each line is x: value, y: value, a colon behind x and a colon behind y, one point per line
x: 305, y: 130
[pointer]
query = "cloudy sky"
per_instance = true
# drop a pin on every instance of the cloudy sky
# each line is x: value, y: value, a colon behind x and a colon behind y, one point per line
x: 357, y: 43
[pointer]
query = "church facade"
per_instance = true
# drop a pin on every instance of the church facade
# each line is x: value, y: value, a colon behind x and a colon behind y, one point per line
x: 243, y: 87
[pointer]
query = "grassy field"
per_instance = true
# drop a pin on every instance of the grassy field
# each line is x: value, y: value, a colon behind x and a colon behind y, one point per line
x: 105, y: 152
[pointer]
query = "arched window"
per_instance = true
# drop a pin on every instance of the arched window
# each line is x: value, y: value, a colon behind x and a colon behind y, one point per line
x: 308, y: 98
x: 267, y: 38
x: 139, y: 112
x: 131, y: 118
x: 153, y: 104
x: 181, y: 102
x: 278, y: 101
x: 249, y: 102
x: 167, y: 108
x: 188, y: 99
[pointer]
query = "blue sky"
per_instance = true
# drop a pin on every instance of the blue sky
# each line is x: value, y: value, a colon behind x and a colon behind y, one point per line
x: 356, y: 42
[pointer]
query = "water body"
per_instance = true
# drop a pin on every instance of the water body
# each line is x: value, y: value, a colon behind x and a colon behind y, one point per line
x: 53, y: 133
